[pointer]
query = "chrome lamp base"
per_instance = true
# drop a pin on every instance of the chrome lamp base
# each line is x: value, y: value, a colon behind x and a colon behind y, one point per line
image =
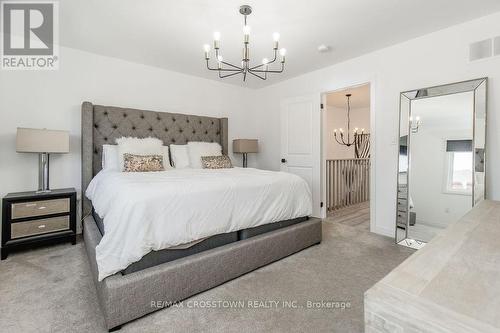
x: 43, y: 173
x: 245, y: 160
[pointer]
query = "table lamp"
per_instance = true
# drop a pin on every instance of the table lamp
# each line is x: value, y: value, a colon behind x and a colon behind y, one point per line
x: 245, y: 146
x: 44, y: 142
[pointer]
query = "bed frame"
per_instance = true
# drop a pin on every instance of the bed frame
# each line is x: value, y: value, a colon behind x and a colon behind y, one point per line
x: 126, y: 297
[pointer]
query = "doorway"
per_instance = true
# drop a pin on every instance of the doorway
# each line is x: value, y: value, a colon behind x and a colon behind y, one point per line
x: 346, y: 137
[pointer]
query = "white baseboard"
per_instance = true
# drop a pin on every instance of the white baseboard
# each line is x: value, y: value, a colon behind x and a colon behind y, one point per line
x: 383, y: 231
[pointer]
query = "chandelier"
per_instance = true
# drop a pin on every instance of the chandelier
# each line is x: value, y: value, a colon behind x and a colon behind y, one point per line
x: 226, y: 69
x: 346, y: 139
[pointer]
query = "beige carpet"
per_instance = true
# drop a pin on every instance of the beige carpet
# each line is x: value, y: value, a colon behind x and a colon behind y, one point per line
x: 50, y: 290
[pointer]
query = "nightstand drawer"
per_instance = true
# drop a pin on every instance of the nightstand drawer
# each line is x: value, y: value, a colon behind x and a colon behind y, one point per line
x: 40, y: 208
x: 37, y: 227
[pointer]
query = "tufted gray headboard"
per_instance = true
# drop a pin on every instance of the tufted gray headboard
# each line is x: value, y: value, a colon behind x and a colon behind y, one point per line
x: 103, y: 124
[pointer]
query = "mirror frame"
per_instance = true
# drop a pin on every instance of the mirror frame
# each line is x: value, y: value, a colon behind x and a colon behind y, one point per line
x: 435, y: 91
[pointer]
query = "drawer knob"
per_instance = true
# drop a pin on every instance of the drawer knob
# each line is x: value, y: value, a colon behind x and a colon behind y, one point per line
x: 42, y: 207
x: 41, y: 226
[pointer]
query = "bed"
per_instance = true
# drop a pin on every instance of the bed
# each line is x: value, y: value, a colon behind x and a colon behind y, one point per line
x: 176, y: 272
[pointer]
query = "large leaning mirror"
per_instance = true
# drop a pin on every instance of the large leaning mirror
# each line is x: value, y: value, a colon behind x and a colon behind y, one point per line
x: 441, y: 171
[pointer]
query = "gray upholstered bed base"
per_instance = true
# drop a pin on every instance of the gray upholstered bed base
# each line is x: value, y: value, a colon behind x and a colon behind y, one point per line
x: 154, y: 258
x: 126, y: 297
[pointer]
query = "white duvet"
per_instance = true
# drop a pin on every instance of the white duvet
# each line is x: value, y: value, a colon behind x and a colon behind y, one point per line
x: 158, y: 210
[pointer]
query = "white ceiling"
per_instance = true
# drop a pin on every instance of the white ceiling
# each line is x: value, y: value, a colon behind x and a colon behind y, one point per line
x: 360, y: 97
x: 170, y: 34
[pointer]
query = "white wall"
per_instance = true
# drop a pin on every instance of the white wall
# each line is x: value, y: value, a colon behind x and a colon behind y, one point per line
x: 433, y: 59
x: 52, y: 99
x: 336, y: 117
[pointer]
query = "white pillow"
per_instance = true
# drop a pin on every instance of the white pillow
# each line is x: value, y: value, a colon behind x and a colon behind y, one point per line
x: 180, y: 156
x: 110, y: 157
x: 198, y: 149
x: 136, y: 146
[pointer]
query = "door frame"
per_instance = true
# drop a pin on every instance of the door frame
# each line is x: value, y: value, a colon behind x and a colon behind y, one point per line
x: 339, y: 87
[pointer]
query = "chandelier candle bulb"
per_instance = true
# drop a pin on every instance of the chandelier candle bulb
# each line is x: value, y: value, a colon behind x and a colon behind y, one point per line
x: 282, y: 54
x: 246, y: 33
x: 206, y: 47
x: 216, y: 40
x: 276, y: 39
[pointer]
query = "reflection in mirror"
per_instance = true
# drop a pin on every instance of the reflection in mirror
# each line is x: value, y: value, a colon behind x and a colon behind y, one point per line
x: 441, y: 163
x: 441, y: 158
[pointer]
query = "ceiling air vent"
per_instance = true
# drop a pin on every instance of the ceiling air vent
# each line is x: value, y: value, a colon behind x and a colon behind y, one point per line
x: 497, y: 46
x: 481, y: 50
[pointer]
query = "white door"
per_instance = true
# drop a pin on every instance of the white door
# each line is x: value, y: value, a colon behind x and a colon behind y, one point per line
x: 301, y: 142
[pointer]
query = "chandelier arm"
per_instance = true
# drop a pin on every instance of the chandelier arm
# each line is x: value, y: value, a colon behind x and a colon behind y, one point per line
x: 336, y: 139
x: 254, y: 67
x: 228, y: 75
x: 275, y: 56
x: 270, y: 71
x: 270, y: 62
x: 223, y: 69
x: 344, y: 142
x: 260, y: 77
x: 231, y: 65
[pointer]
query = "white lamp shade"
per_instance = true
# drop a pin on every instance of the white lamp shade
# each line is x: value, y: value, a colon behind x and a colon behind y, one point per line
x: 245, y: 146
x: 31, y: 140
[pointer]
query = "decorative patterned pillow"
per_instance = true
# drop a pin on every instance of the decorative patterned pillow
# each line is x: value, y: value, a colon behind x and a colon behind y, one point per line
x: 216, y: 162
x: 142, y: 163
